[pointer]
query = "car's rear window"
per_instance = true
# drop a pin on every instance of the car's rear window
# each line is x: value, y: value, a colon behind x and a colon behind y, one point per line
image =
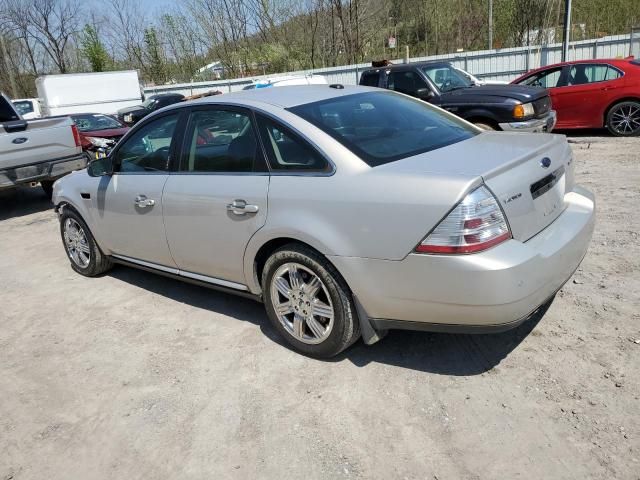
x: 382, y: 127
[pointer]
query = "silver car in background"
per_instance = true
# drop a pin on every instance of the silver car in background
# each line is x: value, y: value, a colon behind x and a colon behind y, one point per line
x: 348, y: 211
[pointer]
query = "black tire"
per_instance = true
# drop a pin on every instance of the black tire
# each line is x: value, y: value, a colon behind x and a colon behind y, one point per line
x: 617, y: 113
x: 346, y: 327
x: 485, y: 126
x: 47, y: 186
x: 98, y: 261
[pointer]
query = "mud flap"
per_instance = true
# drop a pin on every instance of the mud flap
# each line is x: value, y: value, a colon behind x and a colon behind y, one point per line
x: 369, y: 334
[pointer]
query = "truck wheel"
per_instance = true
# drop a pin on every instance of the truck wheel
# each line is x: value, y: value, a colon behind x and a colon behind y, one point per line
x: 623, y: 119
x: 47, y: 186
x: 86, y: 257
x: 308, y: 302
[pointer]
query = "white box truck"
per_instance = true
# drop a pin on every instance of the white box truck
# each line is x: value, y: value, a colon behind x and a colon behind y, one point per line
x: 101, y: 92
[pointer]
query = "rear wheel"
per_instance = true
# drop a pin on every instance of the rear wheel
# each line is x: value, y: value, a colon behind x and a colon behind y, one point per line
x: 623, y: 120
x: 84, y: 254
x: 308, y: 302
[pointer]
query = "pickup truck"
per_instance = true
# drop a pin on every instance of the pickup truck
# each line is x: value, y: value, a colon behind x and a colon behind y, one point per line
x: 491, y: 107
x: 34, y: 151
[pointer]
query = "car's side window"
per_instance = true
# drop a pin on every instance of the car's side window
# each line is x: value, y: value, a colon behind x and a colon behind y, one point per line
x: 370, y: 79
x: 546, y: 79
x: 220, y: 140
x: 612, y: 73
x: 408, y: 82
x: 587, y: 73
x: 286, y: 151
x: 148, y: 149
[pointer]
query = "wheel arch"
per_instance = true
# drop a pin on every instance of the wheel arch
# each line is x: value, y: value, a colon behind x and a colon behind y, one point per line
x: 258, y: 252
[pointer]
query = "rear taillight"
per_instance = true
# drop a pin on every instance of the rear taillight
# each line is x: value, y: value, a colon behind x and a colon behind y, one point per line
x: 477, y: 223
x: 76, y: 135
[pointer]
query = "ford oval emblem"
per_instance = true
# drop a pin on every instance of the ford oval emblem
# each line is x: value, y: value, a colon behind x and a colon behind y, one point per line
x: 19, y: 140
x: 545, y: 162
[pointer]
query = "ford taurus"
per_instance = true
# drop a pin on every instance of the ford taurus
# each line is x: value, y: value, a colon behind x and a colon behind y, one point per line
x: 348, y: 211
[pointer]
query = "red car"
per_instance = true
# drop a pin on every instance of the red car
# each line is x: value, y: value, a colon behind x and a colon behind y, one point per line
x: 592, y: 93
x: 98, y: 130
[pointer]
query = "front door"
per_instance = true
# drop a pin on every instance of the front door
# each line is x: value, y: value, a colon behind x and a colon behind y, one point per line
x: 217, y: 199
x: 129, y: 202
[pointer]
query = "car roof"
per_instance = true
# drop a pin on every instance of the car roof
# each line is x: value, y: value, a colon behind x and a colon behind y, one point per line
x: 425, y: 63
x: 286, y: 96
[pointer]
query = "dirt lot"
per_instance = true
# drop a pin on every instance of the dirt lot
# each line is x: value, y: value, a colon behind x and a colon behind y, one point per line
x: 140, y: 377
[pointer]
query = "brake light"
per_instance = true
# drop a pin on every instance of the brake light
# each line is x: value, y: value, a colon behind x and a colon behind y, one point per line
x: 475, y: 224
x: 76, y: 135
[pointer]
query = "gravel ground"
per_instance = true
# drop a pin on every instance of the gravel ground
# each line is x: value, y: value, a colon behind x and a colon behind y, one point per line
x: 137, y: 376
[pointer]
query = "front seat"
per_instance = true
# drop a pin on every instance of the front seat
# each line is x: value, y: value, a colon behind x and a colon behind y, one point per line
x: 242, y: 153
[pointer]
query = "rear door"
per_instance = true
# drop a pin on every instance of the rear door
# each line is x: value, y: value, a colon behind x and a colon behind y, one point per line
x: 217, y: 199
x: 589, y: 88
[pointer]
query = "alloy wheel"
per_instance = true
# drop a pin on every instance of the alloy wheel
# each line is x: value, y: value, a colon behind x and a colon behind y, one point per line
x: 76, y: 243
x: 302, y: 303
x: 625, y: 119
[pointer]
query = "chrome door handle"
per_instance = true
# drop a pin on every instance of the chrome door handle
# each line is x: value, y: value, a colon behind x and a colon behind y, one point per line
x: 240, y: 207
x: 142, y: 201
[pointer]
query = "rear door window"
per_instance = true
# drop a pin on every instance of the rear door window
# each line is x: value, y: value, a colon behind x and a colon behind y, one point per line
x: 382, y: 127
x: 584, y: 73
x: 408, y: 82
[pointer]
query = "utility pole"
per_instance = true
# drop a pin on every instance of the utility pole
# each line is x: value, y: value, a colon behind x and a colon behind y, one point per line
x: 490, y: 24
x: 566, y: 37
x: 5, y: 57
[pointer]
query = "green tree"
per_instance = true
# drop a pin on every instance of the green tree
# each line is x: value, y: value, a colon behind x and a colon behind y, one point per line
x: 155, y: 64
x: 93, y: 48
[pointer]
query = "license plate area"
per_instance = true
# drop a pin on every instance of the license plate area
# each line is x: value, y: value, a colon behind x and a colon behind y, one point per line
x: 548, y: 195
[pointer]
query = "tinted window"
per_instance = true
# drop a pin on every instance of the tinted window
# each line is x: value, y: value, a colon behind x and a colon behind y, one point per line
x: 590, y: 73
x: 370, y: 79
x: 447, y: 78
x: 148, y: 149
x: 286, y: 151
x: 6, y: 111
x: 220, y: 141
x: 381, y: 127
x: 545, y: 79
x: 406, y: 82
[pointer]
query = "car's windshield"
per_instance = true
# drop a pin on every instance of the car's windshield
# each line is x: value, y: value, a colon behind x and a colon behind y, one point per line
x: 447, y: 78
x: 382, y: 127
x: 23, y: 107
x: 95, y: 121
x: 149, y: 103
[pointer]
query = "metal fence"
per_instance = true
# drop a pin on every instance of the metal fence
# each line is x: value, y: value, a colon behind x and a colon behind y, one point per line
x: 499, y: 64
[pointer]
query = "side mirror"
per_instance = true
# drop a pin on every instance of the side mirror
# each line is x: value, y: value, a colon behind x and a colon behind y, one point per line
x: 424, y: 94
x: 100, y: 167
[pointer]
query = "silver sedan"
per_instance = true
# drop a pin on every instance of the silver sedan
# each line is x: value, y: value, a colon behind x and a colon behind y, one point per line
x: 348, y: 211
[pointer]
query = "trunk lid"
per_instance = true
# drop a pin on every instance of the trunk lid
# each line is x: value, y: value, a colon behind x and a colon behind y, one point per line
x: 528, y: 173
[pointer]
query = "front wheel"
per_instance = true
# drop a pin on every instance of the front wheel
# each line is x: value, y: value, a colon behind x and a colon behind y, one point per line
x: 84, y: 254
x: 308, y: 302
x: 623, y: 120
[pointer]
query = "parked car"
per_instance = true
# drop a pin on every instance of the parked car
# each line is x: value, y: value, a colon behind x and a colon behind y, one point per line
x: 33, y: 151
x: 100, y: 92
x: 132, y: 115
x: 592, y: 93
x: 349, y: 211
x: 490, y: 107
x: 28, y: 108
x: 98, y: 132
x: 287, y: 80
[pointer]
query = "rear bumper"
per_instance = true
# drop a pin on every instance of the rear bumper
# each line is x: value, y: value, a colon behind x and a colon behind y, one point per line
x: 489, y: 291
x: 537, y: 125
x: 36, y: 172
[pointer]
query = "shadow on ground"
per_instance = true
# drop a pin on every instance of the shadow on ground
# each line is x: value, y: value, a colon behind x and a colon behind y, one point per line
x: 22, y: 201
x: 445, y: 354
